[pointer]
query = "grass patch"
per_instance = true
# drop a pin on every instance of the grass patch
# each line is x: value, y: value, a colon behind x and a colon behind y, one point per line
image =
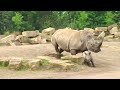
x: 44, y: 62
x: 4, y: 63
x: 2, y: 67
x: 4, y: 44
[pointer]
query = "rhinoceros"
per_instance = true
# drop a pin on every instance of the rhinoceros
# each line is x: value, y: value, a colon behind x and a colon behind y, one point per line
x: 75, y: 41
x: 88, y: 58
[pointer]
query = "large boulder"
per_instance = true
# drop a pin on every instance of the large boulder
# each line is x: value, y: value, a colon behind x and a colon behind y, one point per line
x: 101, y: 29
x: 36, y: 40
x: 113, y: 30
x: 22, y: 39
x: 30, y: 34
x: 34, y: 64
x: 43, y: 41
x: 117, y: 34
x: 109, y: 38
x: 111, y: 26
x: 74, y: 58
x: 52, y: 63
x: 89, y: 29
x: 15, y: 43
x: 117, y: 39
x: 98, y: 30
x: 8, y: 38
x: 47, y: 37
x: 15, y: 65
x: 48, y: 31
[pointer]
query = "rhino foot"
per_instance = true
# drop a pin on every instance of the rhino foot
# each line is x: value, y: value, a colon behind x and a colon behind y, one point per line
x: 73, y: 52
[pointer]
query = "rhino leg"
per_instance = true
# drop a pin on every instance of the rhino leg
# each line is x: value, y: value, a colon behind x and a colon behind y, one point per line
x: 86, y: 62
x: 73, y: 52
x: 56, y: 49
x: 60, y: 50
x: 92, y: 63
x: 53, y: 41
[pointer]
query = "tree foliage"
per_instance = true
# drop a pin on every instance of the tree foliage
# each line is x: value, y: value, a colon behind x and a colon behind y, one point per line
x: 39, y: 20
x: 18, y: 20
x: 109, y: 18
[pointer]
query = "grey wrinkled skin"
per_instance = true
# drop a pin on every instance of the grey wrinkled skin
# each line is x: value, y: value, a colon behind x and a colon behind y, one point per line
x: 75, y: 41
x: 88, y: 58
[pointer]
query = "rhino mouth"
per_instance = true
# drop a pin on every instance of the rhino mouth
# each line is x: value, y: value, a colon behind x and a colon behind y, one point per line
x: 96, y: 51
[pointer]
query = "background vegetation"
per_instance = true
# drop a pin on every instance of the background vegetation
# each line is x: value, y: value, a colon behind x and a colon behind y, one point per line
x: 11, y: 21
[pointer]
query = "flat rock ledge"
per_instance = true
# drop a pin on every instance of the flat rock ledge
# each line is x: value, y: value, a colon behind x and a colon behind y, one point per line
x: 42, y: 63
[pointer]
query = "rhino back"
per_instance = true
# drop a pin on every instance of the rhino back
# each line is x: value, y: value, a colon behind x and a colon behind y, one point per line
x: 75, y: 41
x: 78, y: 41
x: 63, y: 37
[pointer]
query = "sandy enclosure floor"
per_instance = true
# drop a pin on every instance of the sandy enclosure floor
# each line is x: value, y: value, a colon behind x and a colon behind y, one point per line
x: 107, y: 63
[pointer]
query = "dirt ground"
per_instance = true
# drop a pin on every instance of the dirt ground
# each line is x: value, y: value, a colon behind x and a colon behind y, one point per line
x: 107, y: 63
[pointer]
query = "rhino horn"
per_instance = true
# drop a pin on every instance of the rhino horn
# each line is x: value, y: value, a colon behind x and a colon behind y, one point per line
x: 100, y: 37
x: 100, y: 41
x: 102, y: 34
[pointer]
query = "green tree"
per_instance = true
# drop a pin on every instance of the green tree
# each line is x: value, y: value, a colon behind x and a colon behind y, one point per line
x: 5, y: 21
x: 18, y: 21
x: 38, y: 20
x: 109, y: 18
x: 96, y: 19
x: 80, y: 20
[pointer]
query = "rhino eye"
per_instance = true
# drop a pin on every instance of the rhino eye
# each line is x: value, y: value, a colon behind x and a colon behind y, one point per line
x: 96, y: 43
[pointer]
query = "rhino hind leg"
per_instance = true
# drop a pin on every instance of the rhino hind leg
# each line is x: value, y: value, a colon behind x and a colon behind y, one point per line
x: 53, y: 41
x: 73, y: 52
x: 56, y: 49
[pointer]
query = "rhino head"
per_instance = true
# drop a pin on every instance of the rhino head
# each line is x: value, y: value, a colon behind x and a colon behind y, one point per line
x: 94, y: 45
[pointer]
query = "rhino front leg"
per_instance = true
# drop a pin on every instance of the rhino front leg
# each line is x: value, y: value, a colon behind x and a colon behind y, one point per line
x: 92, y: 63
x: 60, y: 50
x: 73, y: 52
x: 86, y: 62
